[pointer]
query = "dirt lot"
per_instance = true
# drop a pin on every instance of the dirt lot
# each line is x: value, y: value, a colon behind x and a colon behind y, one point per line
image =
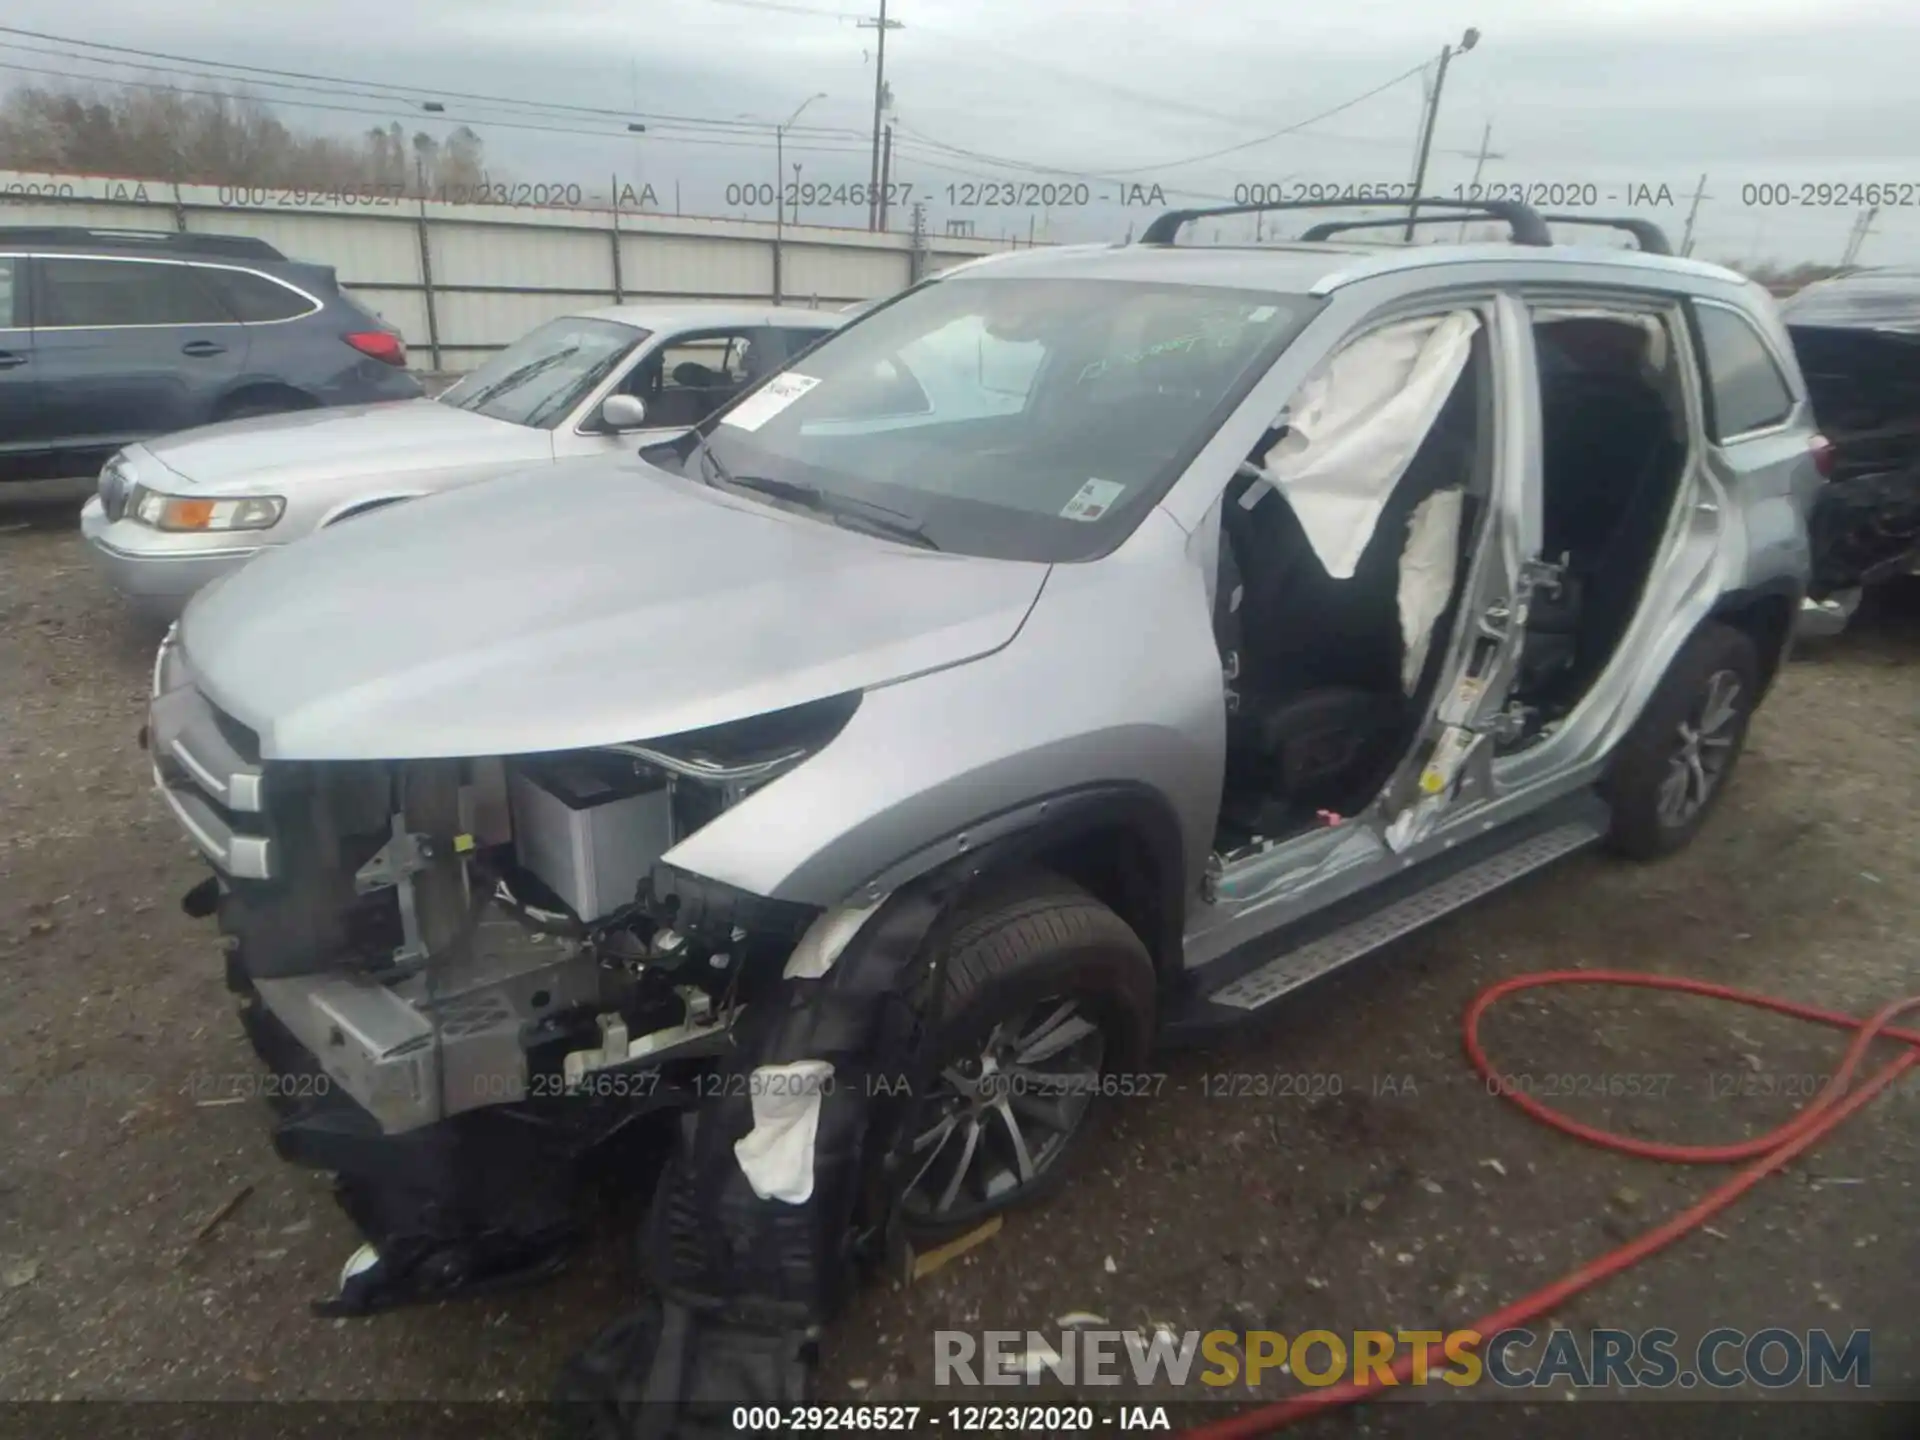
x: 1371, y: 1183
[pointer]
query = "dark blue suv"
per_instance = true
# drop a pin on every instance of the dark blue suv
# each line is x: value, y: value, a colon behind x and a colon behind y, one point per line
x: 110, y: 336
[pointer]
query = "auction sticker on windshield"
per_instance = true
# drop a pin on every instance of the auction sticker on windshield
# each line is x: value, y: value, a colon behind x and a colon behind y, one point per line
x: 769, y: 400
x: 1092, y: 500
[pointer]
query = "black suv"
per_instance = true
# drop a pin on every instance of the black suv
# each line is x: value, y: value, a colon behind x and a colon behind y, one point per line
x: 110, y: 336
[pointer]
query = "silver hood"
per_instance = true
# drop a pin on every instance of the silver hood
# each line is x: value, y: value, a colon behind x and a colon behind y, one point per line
x: 266, y: 454
x: 585, y: 604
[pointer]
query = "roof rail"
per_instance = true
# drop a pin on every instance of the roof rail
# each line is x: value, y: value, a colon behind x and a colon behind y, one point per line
x: 1327, y: 229
x: 179, y: 241
x: 1650, y: 237
x: 1525, y: 225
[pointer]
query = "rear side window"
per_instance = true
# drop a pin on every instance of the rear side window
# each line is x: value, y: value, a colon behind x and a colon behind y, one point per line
x: 254, y: 298
x: 9, y: 315
x: 122, y: 292
x: 1749, y: 392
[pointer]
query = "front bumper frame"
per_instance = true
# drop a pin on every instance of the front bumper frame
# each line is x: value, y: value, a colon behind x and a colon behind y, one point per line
x: 156, y: 582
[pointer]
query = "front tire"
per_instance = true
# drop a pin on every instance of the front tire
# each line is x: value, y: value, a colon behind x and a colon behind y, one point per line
x: 1047, y: 991
x: 1675, y: 762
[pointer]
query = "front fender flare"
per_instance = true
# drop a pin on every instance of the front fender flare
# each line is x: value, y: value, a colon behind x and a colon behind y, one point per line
x: 1023, y: 834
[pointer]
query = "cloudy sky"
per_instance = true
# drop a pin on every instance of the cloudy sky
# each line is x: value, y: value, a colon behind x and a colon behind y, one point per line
x: 1772, y: 100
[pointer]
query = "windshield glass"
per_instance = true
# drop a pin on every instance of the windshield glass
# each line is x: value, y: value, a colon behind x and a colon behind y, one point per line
x: 1017, y: 418
x: 542, y: 376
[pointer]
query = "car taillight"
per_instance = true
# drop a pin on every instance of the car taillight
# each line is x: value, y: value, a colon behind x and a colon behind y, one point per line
x: 382, y: 345
x: 1823, y: 455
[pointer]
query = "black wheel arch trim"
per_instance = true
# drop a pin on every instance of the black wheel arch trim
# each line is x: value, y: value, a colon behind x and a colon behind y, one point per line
x: 1738, y: 608
x: 261, y: 387
x: 1024, y: 834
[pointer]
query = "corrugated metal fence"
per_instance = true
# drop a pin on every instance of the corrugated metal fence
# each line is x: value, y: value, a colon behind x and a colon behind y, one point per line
x: 461, y: 278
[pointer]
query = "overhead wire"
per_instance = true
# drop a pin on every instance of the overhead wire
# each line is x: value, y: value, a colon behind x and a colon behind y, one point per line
x: 522, y: 113
x: 345, y: 87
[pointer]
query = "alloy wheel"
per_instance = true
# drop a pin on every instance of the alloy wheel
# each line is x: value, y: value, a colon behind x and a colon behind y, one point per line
x: 997, y: 1120
x: 1705, y: 746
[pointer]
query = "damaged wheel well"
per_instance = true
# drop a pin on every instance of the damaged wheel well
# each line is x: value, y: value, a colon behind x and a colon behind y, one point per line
x: 1122, y: 867
x: 1766, y: 618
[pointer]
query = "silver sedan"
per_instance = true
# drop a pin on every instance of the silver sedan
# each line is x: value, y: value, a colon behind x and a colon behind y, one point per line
x: 175, y: 513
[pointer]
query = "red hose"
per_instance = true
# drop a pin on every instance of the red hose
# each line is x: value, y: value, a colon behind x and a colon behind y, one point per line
x: 1769, y: 1152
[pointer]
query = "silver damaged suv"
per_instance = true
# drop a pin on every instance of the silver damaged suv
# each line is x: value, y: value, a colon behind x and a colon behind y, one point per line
x: 1080, y: 651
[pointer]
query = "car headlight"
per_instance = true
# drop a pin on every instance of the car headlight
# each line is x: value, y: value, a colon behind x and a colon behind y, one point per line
x: 193, y: 513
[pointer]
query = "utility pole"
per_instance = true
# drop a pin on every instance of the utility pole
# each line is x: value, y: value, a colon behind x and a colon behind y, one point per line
x: 1862, y: 224
x: 886, y: 175
x: 1447, y: 52
x: 1699, y: 193
x: 917, y: 247
x: 1479, y: 163
x: 779, y: 183
x: 882, y: 25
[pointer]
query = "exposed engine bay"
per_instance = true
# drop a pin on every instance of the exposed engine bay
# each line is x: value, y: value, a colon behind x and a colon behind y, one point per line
x: 490, y: 979
x: 450, y: 935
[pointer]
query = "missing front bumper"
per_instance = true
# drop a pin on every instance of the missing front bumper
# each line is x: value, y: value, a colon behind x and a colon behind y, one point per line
x: 484, y: 1200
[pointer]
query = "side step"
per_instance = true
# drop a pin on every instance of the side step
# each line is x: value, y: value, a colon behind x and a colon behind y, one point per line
x: 1378, y: 917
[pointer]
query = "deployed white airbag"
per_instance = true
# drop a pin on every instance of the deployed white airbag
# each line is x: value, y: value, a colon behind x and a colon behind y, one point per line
x: 1427, y: 567
x: 777, y: 1154
x: 1355, y: 425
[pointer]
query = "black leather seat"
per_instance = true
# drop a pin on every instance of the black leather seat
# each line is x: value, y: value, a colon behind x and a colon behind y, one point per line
x: 1321, y: 710
x: 1608, y: 450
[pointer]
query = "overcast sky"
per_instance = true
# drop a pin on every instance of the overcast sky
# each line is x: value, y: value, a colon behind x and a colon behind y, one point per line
x: 1613, y: 95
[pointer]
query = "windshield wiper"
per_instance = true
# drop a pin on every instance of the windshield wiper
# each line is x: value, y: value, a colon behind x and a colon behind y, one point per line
x: 876, y: 518
x: 516, y: 377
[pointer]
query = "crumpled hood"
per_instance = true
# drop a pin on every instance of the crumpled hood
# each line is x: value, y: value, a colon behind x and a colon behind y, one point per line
x: 265, y: 454
x: 586, y: 603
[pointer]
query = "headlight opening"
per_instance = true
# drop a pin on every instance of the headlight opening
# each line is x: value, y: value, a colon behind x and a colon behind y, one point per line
x: 190, y: 514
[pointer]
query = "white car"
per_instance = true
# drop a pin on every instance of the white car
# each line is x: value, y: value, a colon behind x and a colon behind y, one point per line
x: 175, y: 513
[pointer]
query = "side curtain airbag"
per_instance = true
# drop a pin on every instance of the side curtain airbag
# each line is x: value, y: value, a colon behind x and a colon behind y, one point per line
x: 1355, y: 425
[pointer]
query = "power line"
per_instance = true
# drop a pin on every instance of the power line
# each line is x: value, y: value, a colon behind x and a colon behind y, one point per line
x: 1111, y: 87
x: 728, y: 134
x: 856, y: 142
x: 354, y: 88
x: 738, y: 141
x: 1175, y: 163
x: 856, y: 145
x: 789, y: 9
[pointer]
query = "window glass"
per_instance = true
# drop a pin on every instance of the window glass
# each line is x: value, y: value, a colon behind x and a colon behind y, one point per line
x: 1020, y: 418
x: 686, y: 380
x: 254, y: 298
x: 1748, y: 390
x: 799, y: 340
x: 542, y: 376
x: 124, y: 292
x: 708, y: 363
x: 7, y: 317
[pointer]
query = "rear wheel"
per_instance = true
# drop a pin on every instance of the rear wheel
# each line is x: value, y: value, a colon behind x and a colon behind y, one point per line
x: 1673, y: 766
x: 1047, y: 992
x: 247, y: 407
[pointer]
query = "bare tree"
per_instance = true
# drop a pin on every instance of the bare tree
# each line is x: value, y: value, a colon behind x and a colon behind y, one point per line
x: 226, y: 137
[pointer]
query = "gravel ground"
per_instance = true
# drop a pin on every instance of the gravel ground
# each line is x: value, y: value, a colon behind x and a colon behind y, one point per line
x: 1361, y: 1177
